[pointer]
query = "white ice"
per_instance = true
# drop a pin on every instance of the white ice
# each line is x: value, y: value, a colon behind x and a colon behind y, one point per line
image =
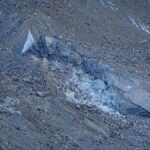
x: 28, y: 43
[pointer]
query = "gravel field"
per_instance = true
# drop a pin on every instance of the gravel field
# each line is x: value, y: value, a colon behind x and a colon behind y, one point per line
x: 74, y: 75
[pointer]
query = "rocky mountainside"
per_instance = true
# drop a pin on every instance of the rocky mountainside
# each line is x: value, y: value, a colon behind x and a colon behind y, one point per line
x: 74, y: 74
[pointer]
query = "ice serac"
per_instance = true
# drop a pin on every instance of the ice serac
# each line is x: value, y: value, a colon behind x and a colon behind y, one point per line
x: 28, y: 43
x: 132, y: 91
x: 87, y: 81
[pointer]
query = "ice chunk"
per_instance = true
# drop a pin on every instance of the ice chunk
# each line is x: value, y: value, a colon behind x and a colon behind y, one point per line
x: 28, y: 43
x: 98, y: 85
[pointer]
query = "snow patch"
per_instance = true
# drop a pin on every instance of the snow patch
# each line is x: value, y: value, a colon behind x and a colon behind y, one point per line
x: 139, y: 25
x: 109, y: 4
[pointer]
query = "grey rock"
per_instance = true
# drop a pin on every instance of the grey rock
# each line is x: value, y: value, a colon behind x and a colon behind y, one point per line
x: 41, y: 94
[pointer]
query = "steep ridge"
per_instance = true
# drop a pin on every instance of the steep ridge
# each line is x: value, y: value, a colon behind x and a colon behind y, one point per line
x: 83, y: 81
